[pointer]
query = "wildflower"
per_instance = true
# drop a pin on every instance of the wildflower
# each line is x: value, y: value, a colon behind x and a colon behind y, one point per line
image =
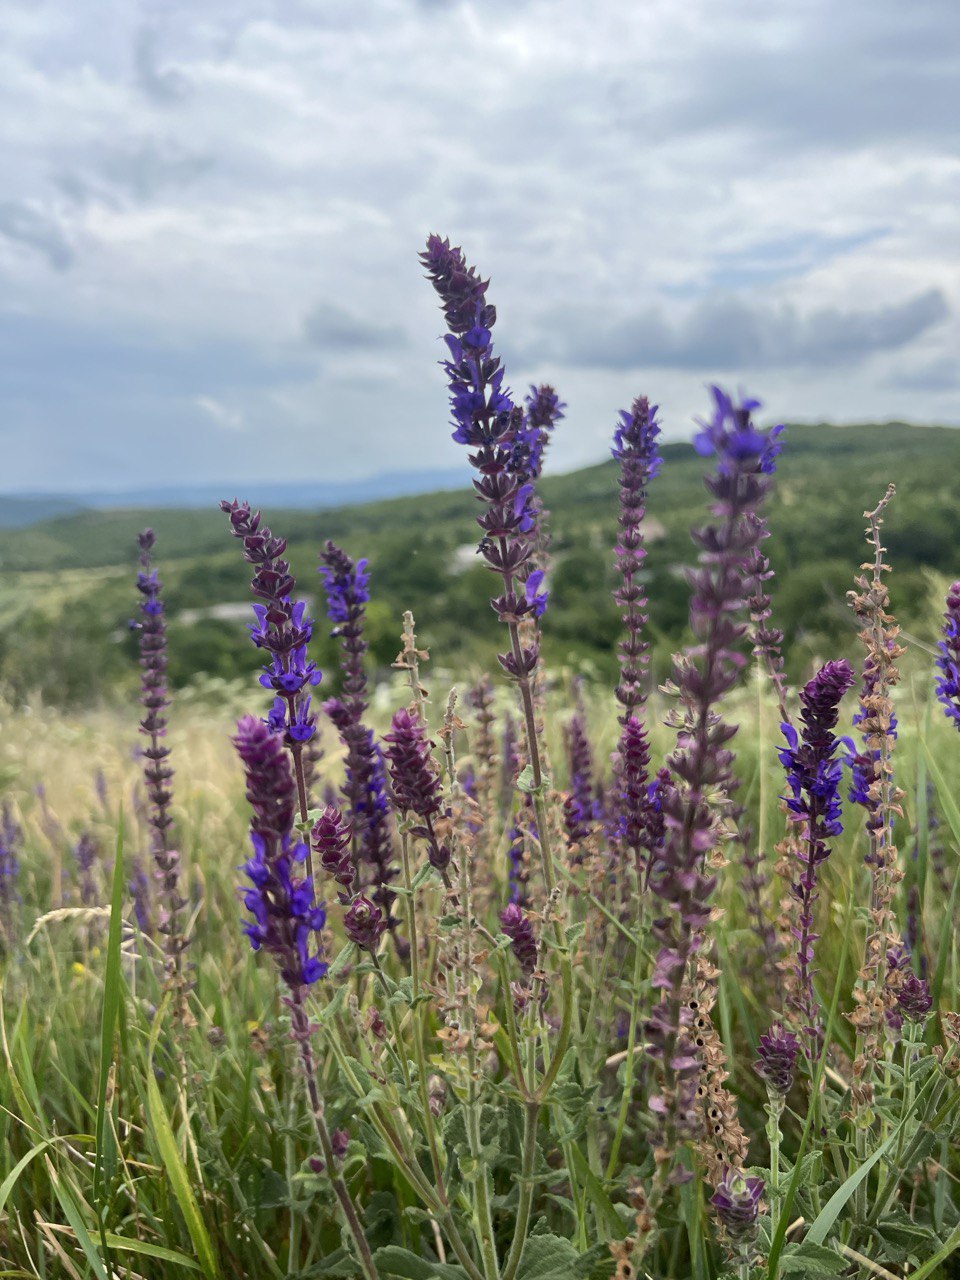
x: 139, y: 889
x: 87, y: 855
x: 813, y: 778
x: 364, y: 923
x: 11, y: 842
x: 778, y: 1059
x: 580, y: 805
x: 914, y: 1000
x: 948, y: 663
x: 413, y: 774
x: 158, y: 774
x: 331, y: 840
x: 880, y: 975
x: 486, y: 419
x: 281, y: 628
x: 737, y: 1202
x: 635, y: 449
x: 702, y: 762
x: 347, y: 587
x: 287, y: 920
x: 519, y: 930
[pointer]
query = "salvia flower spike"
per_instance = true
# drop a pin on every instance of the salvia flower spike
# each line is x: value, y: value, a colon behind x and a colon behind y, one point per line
x: 347, y: 587
x: 11, y: 843
x: 286, y: 922
x: 948, y: 661
x: 151, y: 629
x: 814, y: 774
x: 777, y: 1059
x: 286, y: 919
x: 680, y: 876
x: 486, y: 420
x: 636, y: 452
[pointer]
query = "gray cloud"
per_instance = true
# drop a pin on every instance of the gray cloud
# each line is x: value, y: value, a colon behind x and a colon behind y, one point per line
x: 729, y: 334
x: 332, y: 328
x: 37, y: 230
x: 684, y: 188
x: 942, y: 374
x: 146, y: 166
x: 163, y: 84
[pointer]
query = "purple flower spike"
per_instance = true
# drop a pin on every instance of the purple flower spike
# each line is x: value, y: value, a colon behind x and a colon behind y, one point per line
x: 914, y: 1000
x: 87, y: 854
x: 151, y: 628
x: 581, y: 810
x: 507, y: 444
x: 737, y: 1203
x: 679, y: 870
x: 364, y: 923
x: 731, y: 435
x: 287, y: 921
x: 777, y: 1062
x: 11, y: 842
x: 519, y: 930
x: 413, y: 774
x: 331, y: 840
x: 813, y: 778
x: 281, y: 628
x: 948, y: 663
x: 635, y: 449
x: 347, y: 587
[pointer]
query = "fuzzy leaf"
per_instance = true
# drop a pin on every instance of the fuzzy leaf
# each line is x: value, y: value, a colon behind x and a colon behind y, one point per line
x: 548, y: 1258
x: 394, y: 1261
x: 811, y: 1260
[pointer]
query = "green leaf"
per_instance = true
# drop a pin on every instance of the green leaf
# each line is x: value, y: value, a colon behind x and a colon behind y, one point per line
x: 601, y: 1202
x: 10, y: 1181
x: 106, y: 1148
x: 812, y: 1260
x: 125, y: 1244
x: 779, y: 1238
x: 902, y: 1231
x: 828, y: 1215
x: 831, y: 1210
x: 72, y: 1213
x: 525, y: 782
x: 174, y: 1166
x: 394, y: 1261
x: 548, y: 1257
x: 950, y: 1246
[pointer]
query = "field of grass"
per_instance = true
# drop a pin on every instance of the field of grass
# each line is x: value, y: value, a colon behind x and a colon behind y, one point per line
x: 65, y: 594
x: 196, y: 1163
x: 521, y: 1042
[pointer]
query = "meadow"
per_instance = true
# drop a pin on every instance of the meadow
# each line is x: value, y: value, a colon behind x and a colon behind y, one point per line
x: 606, y: 963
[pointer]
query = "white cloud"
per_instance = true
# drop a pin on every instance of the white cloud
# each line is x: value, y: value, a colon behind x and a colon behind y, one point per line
x: 228, y: 202
x: 223, y: 416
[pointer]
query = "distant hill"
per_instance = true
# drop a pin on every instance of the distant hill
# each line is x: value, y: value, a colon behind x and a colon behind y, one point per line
x: 66, y: 589
x: 18, y: 511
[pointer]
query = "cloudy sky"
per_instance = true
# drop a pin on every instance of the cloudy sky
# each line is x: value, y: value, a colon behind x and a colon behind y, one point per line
x: 210, y: 216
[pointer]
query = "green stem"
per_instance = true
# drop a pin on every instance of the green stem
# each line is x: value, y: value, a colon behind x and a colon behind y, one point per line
x: 531, y: 1116
x: 418, y: 1017
x: 629, y: 1065
x: 301, y: 1030
x: 399, y: 1053
x: 774, y: 1112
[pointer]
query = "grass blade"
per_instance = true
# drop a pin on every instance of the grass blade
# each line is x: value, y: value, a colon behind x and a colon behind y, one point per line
x: 106, y: 1153
x: 72, y: 1212
x: 176, y: 1171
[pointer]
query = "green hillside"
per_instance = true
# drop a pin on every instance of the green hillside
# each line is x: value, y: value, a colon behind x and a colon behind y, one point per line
x: 67, y: 583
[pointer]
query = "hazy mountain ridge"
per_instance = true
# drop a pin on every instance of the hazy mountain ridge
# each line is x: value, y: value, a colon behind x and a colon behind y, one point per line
x: 21, y: 510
